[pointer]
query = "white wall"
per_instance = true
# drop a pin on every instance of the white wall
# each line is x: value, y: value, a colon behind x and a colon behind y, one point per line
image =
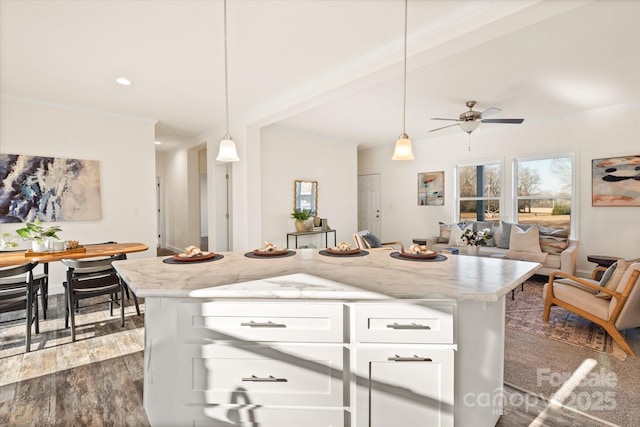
x: 287, y: 155
x: 590, y: 135
x: 123, y: 146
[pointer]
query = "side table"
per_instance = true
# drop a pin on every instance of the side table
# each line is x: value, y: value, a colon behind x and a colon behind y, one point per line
x: 602, y: 261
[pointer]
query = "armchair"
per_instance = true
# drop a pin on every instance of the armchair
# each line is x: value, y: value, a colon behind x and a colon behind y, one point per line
x: 365, y: 240
x: 621, y: 311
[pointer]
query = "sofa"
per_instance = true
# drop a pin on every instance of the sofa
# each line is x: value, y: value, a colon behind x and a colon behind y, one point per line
x: 555, y: 252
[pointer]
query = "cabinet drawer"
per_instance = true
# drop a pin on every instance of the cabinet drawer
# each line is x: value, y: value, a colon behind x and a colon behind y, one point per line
x: 404, y: 323
x: 252, y: 415
x: 278, y: 321
x: 270, y: 374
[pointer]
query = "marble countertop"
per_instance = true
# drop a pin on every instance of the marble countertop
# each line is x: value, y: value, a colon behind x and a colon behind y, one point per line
x: 310, y: 275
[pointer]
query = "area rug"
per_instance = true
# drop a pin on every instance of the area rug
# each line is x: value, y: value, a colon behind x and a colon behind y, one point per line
x: 524, y: 313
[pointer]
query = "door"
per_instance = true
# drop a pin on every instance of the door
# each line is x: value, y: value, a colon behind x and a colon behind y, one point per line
x: 369, y: 202
x: 404, y: 386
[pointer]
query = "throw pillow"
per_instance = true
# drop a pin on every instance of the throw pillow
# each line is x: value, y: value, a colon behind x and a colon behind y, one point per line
x: 524, y: 240
x: 372, y: 240
x: 506, y: 233
x: 445, y: 232
x: 456, y: 234
x: 553, y: 240
x: 606, y: 276
x: 621, y: 268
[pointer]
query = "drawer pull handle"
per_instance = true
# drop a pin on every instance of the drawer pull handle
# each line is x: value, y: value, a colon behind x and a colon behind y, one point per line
x: 269, y: 379
x: 411, y: 326
x: 413, y: 358
x: 268, y: 324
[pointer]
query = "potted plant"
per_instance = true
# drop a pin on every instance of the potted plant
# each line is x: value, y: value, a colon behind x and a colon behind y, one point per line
x: 38, y: 234
x: 301, y: 215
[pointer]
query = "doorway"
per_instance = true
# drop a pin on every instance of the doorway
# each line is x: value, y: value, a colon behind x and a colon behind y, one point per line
x: 369, y: 202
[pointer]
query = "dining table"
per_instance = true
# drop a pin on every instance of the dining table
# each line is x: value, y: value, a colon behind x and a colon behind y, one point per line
x: 11, y: 258
x: 19, y: 257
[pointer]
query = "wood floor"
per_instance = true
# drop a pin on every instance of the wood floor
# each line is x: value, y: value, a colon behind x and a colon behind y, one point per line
x: 95, y: 381
x: 98, y: 380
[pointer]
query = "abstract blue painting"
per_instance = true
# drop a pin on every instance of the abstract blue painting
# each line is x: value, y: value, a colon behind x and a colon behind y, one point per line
x: 48, y: 189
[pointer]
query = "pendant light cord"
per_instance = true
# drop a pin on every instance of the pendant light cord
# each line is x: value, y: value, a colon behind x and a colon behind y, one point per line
x: 226, y: 78
x: 404, y: 101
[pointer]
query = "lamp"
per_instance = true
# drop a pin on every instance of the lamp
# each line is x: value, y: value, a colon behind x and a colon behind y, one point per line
x: 227, y: 152
x: 403, y: 144
x: 469, y: 126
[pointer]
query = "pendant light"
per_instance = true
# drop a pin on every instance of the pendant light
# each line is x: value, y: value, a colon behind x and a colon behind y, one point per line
x: 403, y: 144
x: 227, y: 152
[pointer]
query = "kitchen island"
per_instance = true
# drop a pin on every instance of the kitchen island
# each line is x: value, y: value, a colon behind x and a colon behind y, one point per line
x: 311, y: 340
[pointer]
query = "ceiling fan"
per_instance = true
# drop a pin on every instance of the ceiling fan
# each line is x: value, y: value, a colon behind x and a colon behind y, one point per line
x: 470, y: 120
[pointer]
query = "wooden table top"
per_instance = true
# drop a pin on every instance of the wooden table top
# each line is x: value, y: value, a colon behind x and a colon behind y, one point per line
x: 18, y: 257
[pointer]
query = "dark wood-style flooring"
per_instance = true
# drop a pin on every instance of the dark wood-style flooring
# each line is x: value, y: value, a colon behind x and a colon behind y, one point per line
x: 98, y: 380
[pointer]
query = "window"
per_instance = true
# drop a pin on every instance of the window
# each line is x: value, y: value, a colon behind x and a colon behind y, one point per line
x: 479, y: 192
x: 544, y: 191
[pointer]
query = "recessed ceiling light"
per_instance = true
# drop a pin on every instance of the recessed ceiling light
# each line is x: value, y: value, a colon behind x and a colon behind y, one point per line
x: 123, y: 81
x: 157, y: 142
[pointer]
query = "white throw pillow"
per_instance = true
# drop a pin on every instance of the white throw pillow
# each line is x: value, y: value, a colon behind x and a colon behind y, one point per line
x: 524, y: 240
x: 456, y: 234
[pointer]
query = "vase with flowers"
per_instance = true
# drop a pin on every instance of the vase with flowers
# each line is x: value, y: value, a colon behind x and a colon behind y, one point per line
x: 473, y: 239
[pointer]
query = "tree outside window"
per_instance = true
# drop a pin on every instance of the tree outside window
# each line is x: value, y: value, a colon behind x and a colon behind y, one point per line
x: 544, y: 191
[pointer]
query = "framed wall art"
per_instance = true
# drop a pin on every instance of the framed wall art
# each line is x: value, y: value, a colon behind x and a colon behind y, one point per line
x: 616, y: 181
x: 431, y: 188
x: 48, y: 189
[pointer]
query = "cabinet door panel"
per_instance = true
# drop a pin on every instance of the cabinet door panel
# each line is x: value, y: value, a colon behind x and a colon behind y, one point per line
x: 405, y: 386
x: 257, y: 416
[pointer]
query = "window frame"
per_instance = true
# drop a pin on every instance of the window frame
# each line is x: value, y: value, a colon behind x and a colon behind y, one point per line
x: 574, y: 220
x: 458, y: 198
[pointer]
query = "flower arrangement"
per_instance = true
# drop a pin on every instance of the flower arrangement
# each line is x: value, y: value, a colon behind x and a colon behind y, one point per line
x: 476, y: 238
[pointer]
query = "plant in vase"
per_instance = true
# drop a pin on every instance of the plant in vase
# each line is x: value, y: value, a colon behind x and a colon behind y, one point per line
x: 473, y: 239
x: 38, y: 234
x: 301, y: 215
x: 8, y: 240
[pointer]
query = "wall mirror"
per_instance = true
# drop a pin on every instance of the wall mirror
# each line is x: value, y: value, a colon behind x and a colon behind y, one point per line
x: 305, y: 195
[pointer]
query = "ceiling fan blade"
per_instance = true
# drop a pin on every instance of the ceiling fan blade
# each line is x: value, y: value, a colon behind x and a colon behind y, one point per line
x: 510, y: 121
x: 489, y: 111
x: 443, y: 127
x: 451, y: 120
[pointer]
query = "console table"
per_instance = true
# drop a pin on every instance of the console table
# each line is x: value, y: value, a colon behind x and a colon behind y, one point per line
x: 306, y: 233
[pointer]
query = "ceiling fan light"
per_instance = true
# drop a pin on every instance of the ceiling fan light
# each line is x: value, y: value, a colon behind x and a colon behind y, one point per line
x: 227, y: 151
x: 469, y: 126
x: 403, y: 149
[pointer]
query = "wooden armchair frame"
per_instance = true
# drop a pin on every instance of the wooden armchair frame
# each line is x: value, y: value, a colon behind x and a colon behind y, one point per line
x: 608, y: 324
x: 362, y: 244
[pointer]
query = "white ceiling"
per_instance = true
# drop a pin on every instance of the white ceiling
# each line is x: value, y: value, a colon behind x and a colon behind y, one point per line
x: 328, y: 67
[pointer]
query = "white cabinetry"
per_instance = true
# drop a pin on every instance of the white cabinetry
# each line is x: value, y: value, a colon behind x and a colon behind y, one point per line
x: 409, y: 385
x: 299, y: 363
x: 262, y: 364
